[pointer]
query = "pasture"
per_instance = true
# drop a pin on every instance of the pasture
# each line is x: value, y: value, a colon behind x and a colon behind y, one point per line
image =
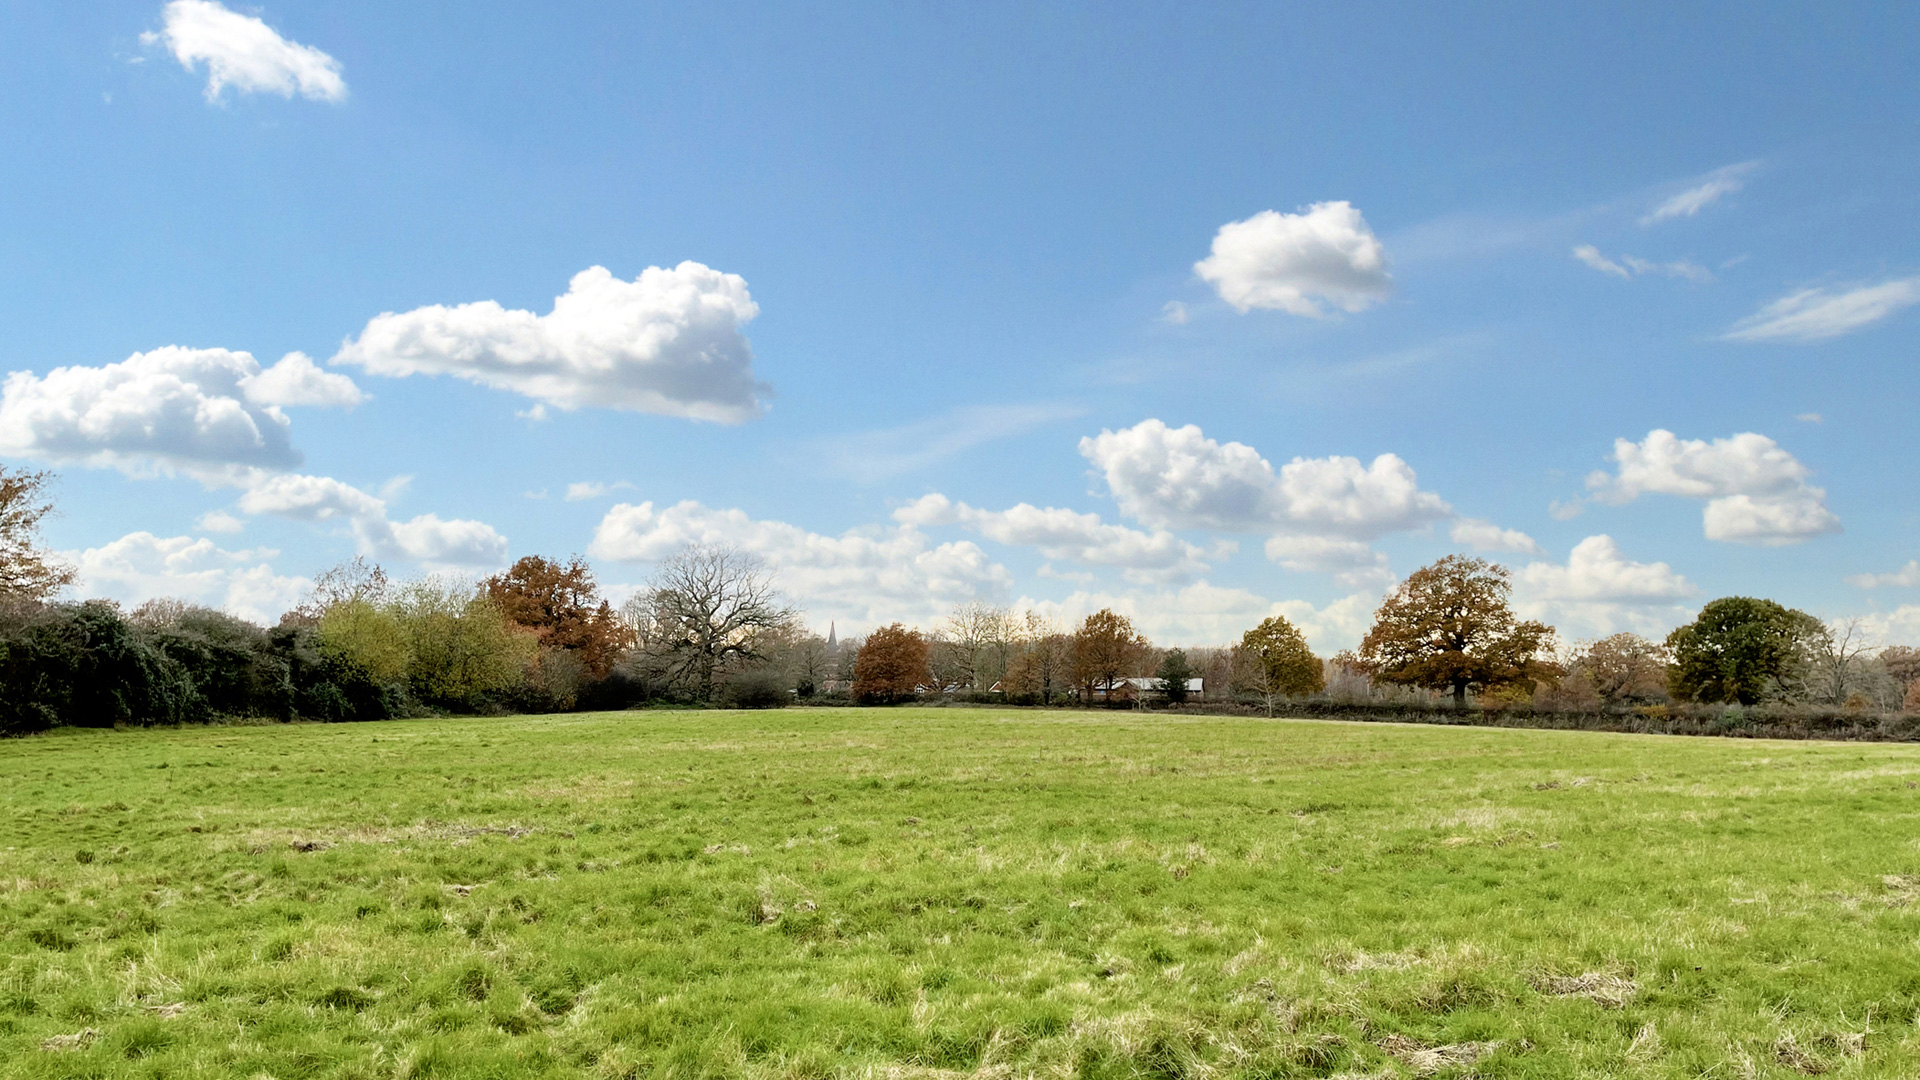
x: 948, y: 892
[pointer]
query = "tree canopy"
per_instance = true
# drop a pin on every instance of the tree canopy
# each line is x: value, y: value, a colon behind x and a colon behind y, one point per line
x: 561, y: 602
x: 1175, y: 670
x: 1449, y: 626
x: 1273, y: 660
x: 1740, y: 650
x: 892, y: 664
x: 1107, y: 649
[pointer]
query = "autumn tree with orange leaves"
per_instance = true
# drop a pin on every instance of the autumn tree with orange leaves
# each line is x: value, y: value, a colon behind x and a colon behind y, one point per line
x: 1107, y: 649
x: 1449, y: 627
x: 561, y: 603
x: 892, y: 663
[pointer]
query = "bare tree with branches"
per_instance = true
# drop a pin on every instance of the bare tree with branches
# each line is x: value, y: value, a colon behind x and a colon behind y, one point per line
x: 706, y: 609
x: 1836, y: 656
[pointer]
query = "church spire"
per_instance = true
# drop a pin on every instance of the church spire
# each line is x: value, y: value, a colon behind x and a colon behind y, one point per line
x: 832, y: 642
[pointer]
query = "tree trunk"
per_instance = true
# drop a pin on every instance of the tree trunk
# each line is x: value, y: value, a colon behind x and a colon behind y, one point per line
x: 1459, y: 697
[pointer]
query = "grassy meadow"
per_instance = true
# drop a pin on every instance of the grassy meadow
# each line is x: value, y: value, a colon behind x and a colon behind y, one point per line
x: 944, y: 892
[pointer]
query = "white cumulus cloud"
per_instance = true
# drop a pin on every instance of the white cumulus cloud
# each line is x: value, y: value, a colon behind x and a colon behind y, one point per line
x: 1319, y: 513
x: 1819, y: 314
x: 1351, y: 562
x: 1486, y: 536
x: 297, y: 380
x: 867, y: 576
x: 141, y: 566
x: 1899, y: 626
x: 1598, y: 570
x: 1906, y: 578
x: 1756, y: 492
x: 1179, y: 478
x: 245, y: 53
x: 1599, y: 591
x: 668, y: 342
x: 1323, y: 255
x: 310, y: 498
x: 1203, y: 614
x: 201, y: 411
x: 1067, y: 535
x: 427, y: 538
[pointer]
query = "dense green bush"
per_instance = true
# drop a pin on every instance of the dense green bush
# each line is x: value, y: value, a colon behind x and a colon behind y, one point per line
x: 84, y: 665
x: 757, y: 689
x: 89, y: 665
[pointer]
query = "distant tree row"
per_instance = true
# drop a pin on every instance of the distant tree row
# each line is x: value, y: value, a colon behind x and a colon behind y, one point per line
x: 711, y: 627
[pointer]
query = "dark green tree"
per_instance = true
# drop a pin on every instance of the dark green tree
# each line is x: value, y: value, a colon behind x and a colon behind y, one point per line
x: 1740, y: 650
x: 1174, y: 672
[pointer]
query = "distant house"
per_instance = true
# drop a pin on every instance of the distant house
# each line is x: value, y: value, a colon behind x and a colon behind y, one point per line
x: 1124, y: 689
x: 1132, y: 688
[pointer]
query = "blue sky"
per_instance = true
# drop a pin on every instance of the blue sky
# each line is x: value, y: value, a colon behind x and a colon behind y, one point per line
x: 1055, y: 306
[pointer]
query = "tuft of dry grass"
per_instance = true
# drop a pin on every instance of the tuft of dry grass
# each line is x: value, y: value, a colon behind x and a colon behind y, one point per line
x: 1608, y: 991
x: 1427, y: 1060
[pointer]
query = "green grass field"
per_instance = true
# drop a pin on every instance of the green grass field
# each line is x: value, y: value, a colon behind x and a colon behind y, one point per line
x: 813, y: 893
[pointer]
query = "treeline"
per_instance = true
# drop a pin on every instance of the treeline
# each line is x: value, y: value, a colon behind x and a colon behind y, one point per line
x: 711, y: 628
x: 1447, y: 635
x: 362, y: 648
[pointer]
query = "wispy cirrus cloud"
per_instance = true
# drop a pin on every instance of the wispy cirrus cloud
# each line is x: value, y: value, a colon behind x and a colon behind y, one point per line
x: 1629, y: 266
x: 1820, y: 314
x: 872, y: 456
x: 1701, y: 193
x: 582, y: 490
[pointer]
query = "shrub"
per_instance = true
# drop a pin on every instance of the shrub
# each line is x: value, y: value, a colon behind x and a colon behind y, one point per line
x: 84, y: 665
x: 763, y: 688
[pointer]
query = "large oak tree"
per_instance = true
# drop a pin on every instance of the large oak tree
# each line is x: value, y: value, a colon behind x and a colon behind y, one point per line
x: 1449, y: 626
x: 1741, y: 650
x: 707, y: 610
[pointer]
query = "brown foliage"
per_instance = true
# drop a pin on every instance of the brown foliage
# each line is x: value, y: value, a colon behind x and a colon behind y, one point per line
x: 561, y: 603
x: 1041, y: 668
x: 26, y: 571
x: 1624, y: 668
x: 1449, y: 627
x: 1107, y: 649
x: 891, y: 664
x: 1902, y: 663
